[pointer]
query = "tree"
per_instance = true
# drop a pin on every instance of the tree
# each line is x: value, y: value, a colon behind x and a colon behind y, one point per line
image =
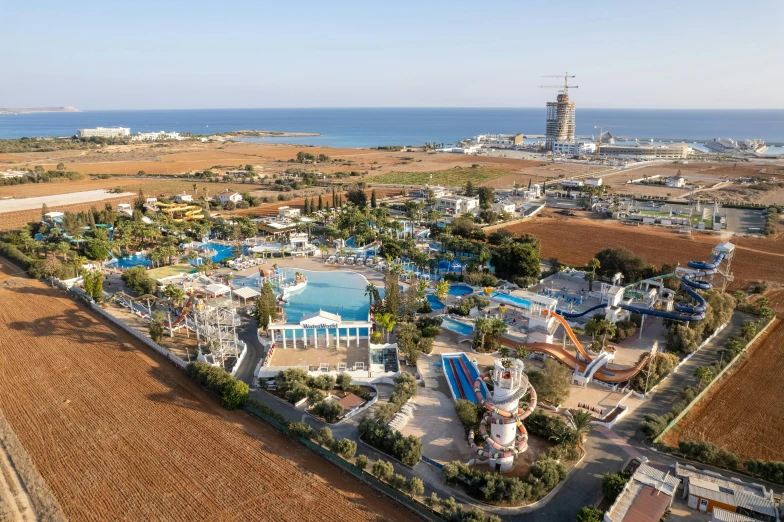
x: 748, y: 330
x: 383, y: 470
x: 372, y: 292
x: 613, y: 484
x: 156, y: 329
x: 521, y: 352
x: 343, y: 381
x: 387, y: 322
x: 320, y: 203
x: 324, y: 436
x: 361, y: 462
x: 306, y: 209
x: 552, y: 383
x: 442, y: 289
x: 582, y: 423
x: 486, y: 197
x: 373, y: 199
x: 623, y: 260
x: 175, y: 293
x: 357, y: 196
x: 704, y: 374
x: 266, y: 306
x: 590, y: 276
x: 347, y: 448
x: 469, y: 189
x: 415, y: 487
x: 44, y: 210
x: 590, y: 514
x: 140, y: 200
x: 60, y: 167
x: 515, y: 261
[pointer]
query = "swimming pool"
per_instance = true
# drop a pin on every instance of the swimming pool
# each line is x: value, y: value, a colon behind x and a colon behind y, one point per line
x: 460, y: 290
x: 435, y: 304
x: 511, y: 300
x: 222, y: 251
x: 130, y: 261
x: 457, y: 326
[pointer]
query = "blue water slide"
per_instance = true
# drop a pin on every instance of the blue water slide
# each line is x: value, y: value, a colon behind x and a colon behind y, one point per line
x: 572, y: 315
x: 687, y: 312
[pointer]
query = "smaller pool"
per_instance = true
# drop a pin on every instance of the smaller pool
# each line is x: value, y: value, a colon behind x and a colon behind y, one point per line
x: 460, y: 290
x: 511, y: 300
x: 222, y: 251
x: 457, y: 326
x: 435, y: 304
x: 131, y: 261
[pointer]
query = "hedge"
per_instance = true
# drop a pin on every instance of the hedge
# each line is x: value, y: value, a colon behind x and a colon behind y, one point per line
x: 233, y: 393
x: 17, y: 257
x: 406, y: 449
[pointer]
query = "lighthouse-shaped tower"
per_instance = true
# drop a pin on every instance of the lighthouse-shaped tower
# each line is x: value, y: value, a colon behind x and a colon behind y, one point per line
x: 502, y: 425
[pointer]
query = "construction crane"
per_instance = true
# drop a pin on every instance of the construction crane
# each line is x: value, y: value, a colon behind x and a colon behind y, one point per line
x: 565, y: 87
x: 599, y: 141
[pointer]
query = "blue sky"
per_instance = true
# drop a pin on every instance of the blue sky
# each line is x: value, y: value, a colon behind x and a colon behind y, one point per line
x: 199, y: 54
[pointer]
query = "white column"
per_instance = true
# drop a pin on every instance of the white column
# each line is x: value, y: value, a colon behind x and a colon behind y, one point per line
x: 305, y: 336
x: 315, y: 338
x: 284, y: 338
x: 357, y: 336
x: 327, y: 332
x: 294, y: 338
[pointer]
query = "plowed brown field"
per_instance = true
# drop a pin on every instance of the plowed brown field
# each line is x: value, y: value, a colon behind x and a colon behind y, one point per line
x: 742, y: 412
x: 119, y: 434
x: 575, y: 240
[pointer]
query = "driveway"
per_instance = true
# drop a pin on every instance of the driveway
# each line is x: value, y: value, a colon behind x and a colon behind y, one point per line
x: 247, y: 333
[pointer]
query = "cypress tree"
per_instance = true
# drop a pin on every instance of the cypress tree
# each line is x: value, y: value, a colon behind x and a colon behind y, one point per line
x: 320, y: 203
x: 373, y: 199
x: 306, y: 211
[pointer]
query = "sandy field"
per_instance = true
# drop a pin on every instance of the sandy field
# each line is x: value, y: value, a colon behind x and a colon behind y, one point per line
x: 575, y: 240
x: 60, y: 200
x: 118, y: 433
x: 738, y: 417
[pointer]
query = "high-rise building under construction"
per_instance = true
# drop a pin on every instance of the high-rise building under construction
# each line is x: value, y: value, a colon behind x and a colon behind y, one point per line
x: 560, y: 115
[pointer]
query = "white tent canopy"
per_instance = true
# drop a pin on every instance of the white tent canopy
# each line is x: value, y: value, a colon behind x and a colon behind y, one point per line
x: 246, y: 293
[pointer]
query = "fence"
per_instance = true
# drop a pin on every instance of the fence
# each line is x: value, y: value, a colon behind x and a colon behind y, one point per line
x: 716, y: 379
x: 411, y: 504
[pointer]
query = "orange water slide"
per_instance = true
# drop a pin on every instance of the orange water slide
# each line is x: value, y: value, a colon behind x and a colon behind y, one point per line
x: 559, y: 354
x: 572, y: 336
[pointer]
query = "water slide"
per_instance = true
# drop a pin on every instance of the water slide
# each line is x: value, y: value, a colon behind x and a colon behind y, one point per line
x: 496, y: 450
x: 567, y: 359
x: 690, y: 283
x: 572, y: 315
x: 569, y: 331
x: 458, y: 384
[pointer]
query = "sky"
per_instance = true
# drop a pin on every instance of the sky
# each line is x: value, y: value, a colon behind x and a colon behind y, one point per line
x: 173, y: 54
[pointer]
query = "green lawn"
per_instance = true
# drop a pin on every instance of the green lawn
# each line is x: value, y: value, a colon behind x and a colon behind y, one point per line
x: 455, y: 177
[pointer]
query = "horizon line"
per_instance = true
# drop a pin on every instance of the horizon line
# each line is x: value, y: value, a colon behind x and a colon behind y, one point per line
x: 401, y: 108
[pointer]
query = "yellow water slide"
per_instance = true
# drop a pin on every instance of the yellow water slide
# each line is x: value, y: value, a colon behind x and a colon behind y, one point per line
x: 571, y: 334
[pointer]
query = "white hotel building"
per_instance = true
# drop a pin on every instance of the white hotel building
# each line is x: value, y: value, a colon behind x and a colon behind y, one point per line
x: 104, y: 132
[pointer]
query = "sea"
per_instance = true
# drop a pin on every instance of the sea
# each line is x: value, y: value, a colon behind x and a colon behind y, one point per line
x: 374, y: 127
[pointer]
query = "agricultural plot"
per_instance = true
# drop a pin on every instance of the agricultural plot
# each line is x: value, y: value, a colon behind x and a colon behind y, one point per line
x: 576, y: 240
x: 741, y: 413
x: 454, y: 177
x: 119, y: 434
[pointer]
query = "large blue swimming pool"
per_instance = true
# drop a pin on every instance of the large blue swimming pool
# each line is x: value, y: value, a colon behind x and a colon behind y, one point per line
x: 511, y: 300
x: 435, y: 304
x: 460, y: 290
x: 457, y: 326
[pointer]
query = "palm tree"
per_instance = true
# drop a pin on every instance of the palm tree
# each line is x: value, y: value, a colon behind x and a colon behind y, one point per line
x: 63, y: 247
x: 592, y: 265
x: 582, y: 424
x: 704, y: 374
x: 372, y: 292
x: 387, y: 322
x: 482, y: 325
x: 421, y: 288
x: 504, y: 352
x: 521, y: 352
x: 442, y: 289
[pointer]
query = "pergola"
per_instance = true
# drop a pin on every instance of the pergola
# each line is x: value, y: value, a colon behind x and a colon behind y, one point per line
x: 246, y: 293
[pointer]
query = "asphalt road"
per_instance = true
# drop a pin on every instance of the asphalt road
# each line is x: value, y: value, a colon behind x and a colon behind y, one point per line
x: 247, y: 333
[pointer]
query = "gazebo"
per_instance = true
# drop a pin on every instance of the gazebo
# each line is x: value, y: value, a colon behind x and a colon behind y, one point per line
x: 246, y: 293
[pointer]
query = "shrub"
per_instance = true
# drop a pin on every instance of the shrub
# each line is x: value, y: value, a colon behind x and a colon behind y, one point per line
x: 383, y: 470
x: 613, y: 484
x: 552, y: 383
x: 770, y: 471
x: 138, y: 281
x: 376, y: 338
x: 415, y: 487
x: 324, y: 382
x: 18, y: 257
x: 315, y: 397
x: 343, y: 381
x: 469, y: 413
x: 590, y: 514
x: 156, y: 331
x: 301, y: 429
x: 233, y: 393
x: 329, y: 411
x: 709, y: 454
x: 407, y: 449
x: 324, y: 437
x: 361, y: 462
x: 296, y: 392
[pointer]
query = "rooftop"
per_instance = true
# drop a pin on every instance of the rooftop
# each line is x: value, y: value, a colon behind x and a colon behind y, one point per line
x: 730, y: 491
x: 647, y: 495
